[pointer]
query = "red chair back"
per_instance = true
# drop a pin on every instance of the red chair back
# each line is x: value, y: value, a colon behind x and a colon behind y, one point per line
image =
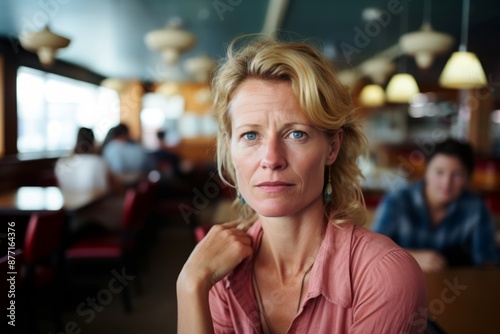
x: 147, y: 190
x: 43, y: 236
x: 131, y: 209
x: 200, y: 232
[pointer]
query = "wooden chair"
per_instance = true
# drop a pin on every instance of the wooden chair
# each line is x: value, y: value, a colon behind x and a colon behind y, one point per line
x: 118, y: 249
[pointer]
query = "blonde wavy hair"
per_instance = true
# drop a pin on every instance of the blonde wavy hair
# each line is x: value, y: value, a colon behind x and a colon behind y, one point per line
x: 324, y: 100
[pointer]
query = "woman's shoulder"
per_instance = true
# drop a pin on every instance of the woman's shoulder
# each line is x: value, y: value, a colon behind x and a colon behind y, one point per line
x: 370, y: 244
x: 370, y: 250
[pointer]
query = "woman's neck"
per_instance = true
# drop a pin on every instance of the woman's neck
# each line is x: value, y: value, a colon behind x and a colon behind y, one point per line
x: 289, y: 245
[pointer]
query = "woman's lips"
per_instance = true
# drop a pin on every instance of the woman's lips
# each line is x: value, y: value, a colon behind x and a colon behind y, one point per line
x: 275, y: 186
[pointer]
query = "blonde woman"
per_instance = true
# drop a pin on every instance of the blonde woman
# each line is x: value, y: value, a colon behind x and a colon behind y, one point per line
x: 297, y: 260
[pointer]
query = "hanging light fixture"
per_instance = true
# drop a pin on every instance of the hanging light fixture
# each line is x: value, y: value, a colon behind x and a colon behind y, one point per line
x: 426, y: 43
x: 200, y: 67
x: 402, y: 86
x: 372, y: 96
x: 463, y: 70
x: 171, y: 41
x: 378, y: 69
x: 349, y: 78
x: 44, y: 43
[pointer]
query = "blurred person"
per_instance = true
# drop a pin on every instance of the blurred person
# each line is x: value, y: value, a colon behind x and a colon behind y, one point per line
x: 127, y: 159
x: 166, y: 160
x: 110, y: 135
x: 86, y: 171
x: 297, y: 259
x: 83, y: 170
x: 438, y: 219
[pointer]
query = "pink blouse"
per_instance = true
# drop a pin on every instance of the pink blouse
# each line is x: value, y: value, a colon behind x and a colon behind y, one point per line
x: 361, y: 282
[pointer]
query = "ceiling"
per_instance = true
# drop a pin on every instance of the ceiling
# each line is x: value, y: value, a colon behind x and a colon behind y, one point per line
x: 107, y: 36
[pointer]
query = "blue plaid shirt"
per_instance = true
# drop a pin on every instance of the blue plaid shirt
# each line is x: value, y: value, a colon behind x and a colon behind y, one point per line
x: 465, y: 236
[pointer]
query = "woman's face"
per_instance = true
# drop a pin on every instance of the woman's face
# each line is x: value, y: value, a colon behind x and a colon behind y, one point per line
x: 279, y: 157
x: 445, y: 178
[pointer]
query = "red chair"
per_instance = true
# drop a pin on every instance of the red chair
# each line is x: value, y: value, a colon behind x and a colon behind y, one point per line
x: 147, y: 190
x: 200, y: 232
x: 42, y: 262
x: 118, y: 249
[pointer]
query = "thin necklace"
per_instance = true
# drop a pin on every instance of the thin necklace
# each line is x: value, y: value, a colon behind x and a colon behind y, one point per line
x: 259, y: 296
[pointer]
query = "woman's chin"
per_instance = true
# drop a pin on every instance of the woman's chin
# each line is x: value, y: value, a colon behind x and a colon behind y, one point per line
x: 279, y: 208
x: 274, y: 209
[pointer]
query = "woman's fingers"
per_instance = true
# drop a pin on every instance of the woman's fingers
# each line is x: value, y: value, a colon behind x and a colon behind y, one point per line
x: 219, y: 252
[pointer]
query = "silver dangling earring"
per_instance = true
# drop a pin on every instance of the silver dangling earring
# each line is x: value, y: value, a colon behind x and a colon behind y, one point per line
x: 327, y: 196
x: 241, y: 198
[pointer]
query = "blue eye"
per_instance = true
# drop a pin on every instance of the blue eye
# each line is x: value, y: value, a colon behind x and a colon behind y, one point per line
x: 297, y: 134
x: 250, y: 136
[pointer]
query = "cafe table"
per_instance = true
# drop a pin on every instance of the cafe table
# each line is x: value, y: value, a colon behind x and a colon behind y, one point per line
x: 16, y: 207
x: 27, y: 200
x: 465, y: 300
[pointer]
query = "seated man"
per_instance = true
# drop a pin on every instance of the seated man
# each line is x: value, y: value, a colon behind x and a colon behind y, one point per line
x: 126, y: 159
x: 439, y: 220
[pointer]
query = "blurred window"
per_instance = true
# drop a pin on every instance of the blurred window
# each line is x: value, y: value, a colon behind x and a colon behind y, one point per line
x: 51, y: 108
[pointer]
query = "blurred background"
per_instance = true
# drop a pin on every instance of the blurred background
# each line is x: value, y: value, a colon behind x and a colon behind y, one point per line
x: 67, y: 64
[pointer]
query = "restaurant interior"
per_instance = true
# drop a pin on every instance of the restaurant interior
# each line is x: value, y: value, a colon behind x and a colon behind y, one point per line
x: 418, y: 72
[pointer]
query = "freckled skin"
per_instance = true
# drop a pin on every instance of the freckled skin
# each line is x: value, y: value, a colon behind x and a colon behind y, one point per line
x: 272, y: 141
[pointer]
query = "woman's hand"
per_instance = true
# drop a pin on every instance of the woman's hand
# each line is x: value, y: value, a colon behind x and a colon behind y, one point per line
x: 220, y: 251
x: 429, y: 260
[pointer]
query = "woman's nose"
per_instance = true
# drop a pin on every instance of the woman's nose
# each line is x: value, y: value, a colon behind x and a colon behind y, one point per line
x: 273, y: 155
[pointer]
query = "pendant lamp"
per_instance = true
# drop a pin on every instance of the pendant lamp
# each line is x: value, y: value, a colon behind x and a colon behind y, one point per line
x: 44, y: 43
x: 425, y: 43
x: 463, y: 70
x: 402, y: 86
x: 170, y: 41
x: 372, y: 96
x: 200, y: 67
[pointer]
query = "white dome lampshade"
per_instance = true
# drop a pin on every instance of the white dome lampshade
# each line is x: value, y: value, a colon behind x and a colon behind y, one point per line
x: 378, y: 69
x: 171, y: 41
x: 425, y: 44
x: 44, y: 43
x: 372, y: 96
x: 348, y: 78
x: 463, y: 71
x: 401, y: 88
x: 200, y: 67
x: 168, y: 89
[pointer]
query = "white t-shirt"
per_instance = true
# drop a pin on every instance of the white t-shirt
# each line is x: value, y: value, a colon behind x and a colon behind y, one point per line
x: 82, y: 172
x: 89, y: 172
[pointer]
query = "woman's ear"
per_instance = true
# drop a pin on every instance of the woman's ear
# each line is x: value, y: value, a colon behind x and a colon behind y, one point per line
x: 334, y: 141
